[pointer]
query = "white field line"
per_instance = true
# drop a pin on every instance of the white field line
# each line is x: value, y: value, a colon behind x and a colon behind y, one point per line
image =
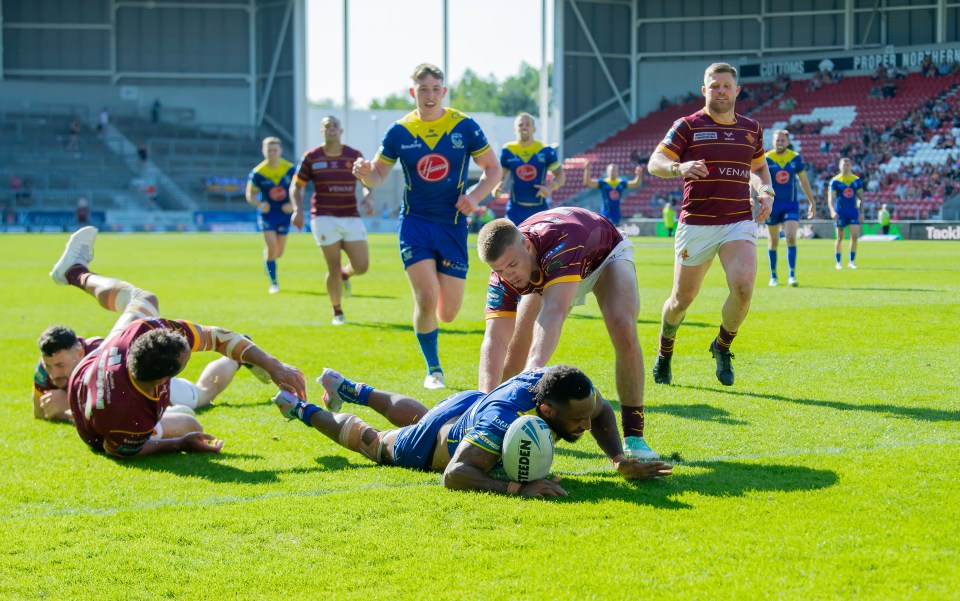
x: 604, y: 467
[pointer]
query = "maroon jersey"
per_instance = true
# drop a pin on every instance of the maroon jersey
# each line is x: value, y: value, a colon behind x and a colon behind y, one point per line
x: 334, y: 187
x: 110, y: 411
x: 729, y: 150
x: 42, y: 383
x: 571, y: 243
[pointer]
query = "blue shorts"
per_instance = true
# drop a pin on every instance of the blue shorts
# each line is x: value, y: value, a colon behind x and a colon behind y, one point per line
x: 784, y: 211
x: 444, y: 243
x: 274, y: 223
x: 415, y: 444
x: 613, y: 216
x: 520, y: 213
x: 847, y: 218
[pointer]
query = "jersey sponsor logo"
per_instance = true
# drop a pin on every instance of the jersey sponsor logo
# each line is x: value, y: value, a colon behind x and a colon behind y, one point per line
x: 783, y: 176
x: 410, y: 146
x: 278, y: 193
x: 704, y: 135
x: 744, y: 173
x: 553, y: 266
x: 614, y: 195
x: 456, y: 140
x: 433, y: 167
x: 494, y: 296
x: 554, y: 250
x: 728, y: 136
x: 526, y: 173
x: 668, y: 139
x: 848, y: 193
x: 319, y: 165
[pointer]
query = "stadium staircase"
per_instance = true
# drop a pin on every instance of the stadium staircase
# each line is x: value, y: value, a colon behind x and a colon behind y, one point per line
x: 836, y: 112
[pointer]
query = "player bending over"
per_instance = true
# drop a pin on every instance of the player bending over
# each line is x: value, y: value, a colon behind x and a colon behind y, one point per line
x: 462, y: 436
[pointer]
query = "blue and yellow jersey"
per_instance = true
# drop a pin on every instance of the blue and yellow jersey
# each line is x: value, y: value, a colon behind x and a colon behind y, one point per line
x: 845, y: 193
x: 435, y: 156
x: 611, y: 192
x: 273, y: 184
x: 529, y: 166
x: 486, y: 422
x: 784, y: 169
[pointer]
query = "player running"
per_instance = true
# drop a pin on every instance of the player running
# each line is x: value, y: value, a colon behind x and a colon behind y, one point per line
x: 845, y: 195
x: 266, y: 191
x: 526, y: 163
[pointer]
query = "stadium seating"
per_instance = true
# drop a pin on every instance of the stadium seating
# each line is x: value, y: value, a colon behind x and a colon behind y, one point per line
x: 35, y: 150
x: 837, y: 113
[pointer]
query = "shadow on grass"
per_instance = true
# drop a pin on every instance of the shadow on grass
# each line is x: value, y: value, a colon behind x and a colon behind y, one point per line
x: 213, y: 467
x: 700, y: 412
x: 403, y: 327
x: 714, y: 478
x: 918, y: 413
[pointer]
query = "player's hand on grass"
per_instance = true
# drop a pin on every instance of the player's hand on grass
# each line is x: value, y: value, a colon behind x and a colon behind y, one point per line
x: 54, y: 403
x: 289, y: 378
x: 634, y: 469
x: 467, y: 205
x: 540, y: 489
x: 200, y: 442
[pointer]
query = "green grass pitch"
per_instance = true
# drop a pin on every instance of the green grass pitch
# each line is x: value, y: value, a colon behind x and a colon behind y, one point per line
x: 828, y: 471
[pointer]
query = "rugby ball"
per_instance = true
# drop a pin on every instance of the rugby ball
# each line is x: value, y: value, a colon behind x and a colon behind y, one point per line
x: 527, y: 449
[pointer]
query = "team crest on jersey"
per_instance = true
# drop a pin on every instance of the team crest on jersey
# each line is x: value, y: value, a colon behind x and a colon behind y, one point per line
x: 783, y: 176
x: 728, y: 136
x: 456, y: 140
x: 526, y: 172
x: 278, y: 193
x: 751, y: 138
x: 704, y: 135
x: 552, y: 266
x: 433, y: 167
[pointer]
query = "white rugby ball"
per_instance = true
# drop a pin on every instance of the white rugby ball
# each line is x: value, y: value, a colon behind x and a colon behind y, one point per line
x: 527, y: 449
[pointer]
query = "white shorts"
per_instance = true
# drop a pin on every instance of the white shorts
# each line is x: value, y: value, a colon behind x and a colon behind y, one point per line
x: 330, y: 230
x: 620, y: 252
x: 697, y: 244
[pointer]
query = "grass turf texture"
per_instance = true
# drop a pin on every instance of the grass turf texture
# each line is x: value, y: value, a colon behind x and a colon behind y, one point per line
x: 827, y: 471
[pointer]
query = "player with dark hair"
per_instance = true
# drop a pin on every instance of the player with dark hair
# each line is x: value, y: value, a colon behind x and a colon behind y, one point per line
x: 462, y: 436
x: 845, y: 195
x: 786, y: 171
x: 267, y: 187
x: 526, y: 163
x: 119, y: 392
x: 551, y: 262
x: 612, y: 188
x: 715, y: 151
x: 334, y: 219
x: 434, y: 145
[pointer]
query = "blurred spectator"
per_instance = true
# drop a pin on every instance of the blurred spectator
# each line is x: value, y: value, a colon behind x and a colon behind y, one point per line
x: 103, y: 121
x: 9, y: 215
x: 788, y: 104
x: 889, y: 89
x: 142, y: 155
x: 825, y: 145
x: 927, y: 67
x: 816, y: 82
x: 664, y: 103
x: 73, y: 134
x: 83, y: 212
x: 155, y: 111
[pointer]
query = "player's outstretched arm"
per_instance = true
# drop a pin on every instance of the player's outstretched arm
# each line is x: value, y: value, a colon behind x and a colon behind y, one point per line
x: 546, y: 329
x: 194, y: 442
x: 468, y: 469
x: 493, y: 351
x: 637, y: 178
x: 603, y: 428
x: 588, y: 182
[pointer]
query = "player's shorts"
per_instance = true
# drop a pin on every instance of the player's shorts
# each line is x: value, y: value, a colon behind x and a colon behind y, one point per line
x: 330, y: 230
x: 620, y: 252
x: 697, y: 244
x: 613, y: 215
x: 414, y: 445
x: 845, y: 218
x: 519, y: 213
x: 446, y: 244
x: 274, y: 223
x: 784, y: 211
